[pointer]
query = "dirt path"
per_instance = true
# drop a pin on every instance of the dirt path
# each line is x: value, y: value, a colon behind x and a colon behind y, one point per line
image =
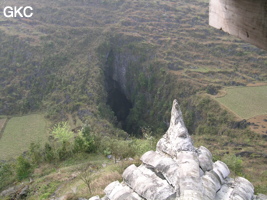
x: 3, y: 123
x: 256, y: 84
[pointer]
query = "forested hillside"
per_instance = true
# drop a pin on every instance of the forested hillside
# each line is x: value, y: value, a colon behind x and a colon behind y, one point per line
x: 65, y: 49
x: 118, y: 64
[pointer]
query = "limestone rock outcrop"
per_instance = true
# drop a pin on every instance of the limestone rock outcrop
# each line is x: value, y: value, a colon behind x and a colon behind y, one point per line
x: 179, y: 171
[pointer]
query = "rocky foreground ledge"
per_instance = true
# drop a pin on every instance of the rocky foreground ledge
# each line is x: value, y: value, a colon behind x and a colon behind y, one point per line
x: 179, y: 171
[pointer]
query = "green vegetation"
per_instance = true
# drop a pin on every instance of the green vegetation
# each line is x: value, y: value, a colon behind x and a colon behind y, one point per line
x: 20, y: 132
x: 61, y: 132
x: 86, y: 164
x: 23, y: 168
x: 7, y: 174
x: 246, y: 102
x: 234, y: 163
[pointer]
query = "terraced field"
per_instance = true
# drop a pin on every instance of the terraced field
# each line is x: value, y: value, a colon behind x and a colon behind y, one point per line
x: 245, y: 102
x: 20, y: 132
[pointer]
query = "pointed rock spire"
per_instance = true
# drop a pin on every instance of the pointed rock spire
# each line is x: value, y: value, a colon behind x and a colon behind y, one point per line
x: 177, y: 137
x: 177, y: 127
x: 177, y: 121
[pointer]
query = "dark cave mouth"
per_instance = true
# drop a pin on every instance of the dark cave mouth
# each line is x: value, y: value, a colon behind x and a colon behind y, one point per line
x: 118, y: 103
x: 116, y: 97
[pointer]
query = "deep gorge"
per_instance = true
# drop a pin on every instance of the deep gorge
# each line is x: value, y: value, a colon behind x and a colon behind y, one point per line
x: 117, y: 99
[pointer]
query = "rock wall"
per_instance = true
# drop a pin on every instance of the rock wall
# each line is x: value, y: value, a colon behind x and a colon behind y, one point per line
x: 179, y: 171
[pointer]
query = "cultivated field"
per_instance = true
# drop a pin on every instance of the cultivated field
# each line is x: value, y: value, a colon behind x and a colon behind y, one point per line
x: 245, y: 102
x: 20, y: 132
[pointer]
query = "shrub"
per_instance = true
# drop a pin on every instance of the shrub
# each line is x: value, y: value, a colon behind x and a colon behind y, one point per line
x: 142, y: 146
x: 23, y: 168
x: 234, y: 163
x: 61, y: 132
x: 49, y: 154
x: 6, y: 175
x: 121, y: 149
x: 35, y: 153
x: 205, y: 129
x: 89, y: 139
x: 65, y: 150
x: 211, y: 89
x: 79, y: 145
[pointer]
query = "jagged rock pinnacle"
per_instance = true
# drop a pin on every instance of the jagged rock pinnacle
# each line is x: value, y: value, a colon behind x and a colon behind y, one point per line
x: 179, y: 171
x: 177, y: 137
x: 177, y: 126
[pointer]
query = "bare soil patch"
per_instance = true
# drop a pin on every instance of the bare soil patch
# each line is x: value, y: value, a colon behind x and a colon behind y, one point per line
x: 256, y: 84
x: 2, y: 123
x: 258, y: 124
x: 221, y: 93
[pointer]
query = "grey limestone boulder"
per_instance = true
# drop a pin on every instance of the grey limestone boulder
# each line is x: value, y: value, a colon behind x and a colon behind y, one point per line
x: 260, y: 197
x: 95, y: 198
x: 205, y: 158
x: 163, y: 165
x: 147, y: 184
x: 242, y: 190
x: 179, y: 171
x: 119, y: 191
x: 211, y: 184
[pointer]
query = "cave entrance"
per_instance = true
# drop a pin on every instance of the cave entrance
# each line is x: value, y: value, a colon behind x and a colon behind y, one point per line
x: 119, y: 104
x: 117, y: 101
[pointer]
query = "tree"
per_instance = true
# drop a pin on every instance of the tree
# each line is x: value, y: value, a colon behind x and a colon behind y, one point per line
x: 61, y: 132
x: 89, y: 174
x: 79, y: 144
x: 147, y: 133
x: 89, y: 138
x: 64, y: 136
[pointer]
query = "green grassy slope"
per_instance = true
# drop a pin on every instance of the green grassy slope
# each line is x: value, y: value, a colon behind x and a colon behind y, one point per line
x: 20, y: 132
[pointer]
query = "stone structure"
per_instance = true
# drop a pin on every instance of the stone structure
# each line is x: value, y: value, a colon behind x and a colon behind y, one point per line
x: 179, y: 171
x: 245, y: 19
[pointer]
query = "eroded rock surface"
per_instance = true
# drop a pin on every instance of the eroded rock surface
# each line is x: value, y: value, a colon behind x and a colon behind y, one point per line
x: 179, y: 171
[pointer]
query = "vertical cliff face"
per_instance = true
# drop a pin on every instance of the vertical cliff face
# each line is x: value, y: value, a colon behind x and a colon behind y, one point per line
x: 120, y: 69
x: 179, y: 171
